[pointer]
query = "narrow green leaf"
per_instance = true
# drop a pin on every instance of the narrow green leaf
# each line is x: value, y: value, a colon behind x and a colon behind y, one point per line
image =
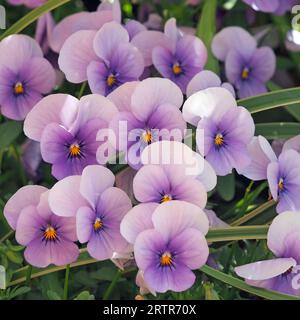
x: 206, y: 30
x: 9, y: 131
x: 278, y: 130
x: 253, y: 214
x: 32, y: 16
x: 214, y: 235
x: 293, y: 109
x: 271, y: 100
x: 237, y: 233
x: 239, y: 284
x: 85, y: 295
x: 226, y: 187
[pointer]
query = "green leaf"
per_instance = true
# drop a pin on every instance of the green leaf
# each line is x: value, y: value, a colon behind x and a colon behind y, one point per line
x: 206, y: 30
x: 52, y: 295
x: 85, y: 295
x: 293, y: 109
x: 237, y: 233
x: 9, y: 131
x: 14, y: 257
x: 210, y: 292
x: 226, y: 187
x: 271, y: 100
x: 278, y: 130
x: 239, y: 284
x: 32, y: 16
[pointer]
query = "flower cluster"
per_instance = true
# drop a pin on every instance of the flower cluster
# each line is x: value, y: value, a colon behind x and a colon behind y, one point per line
x: 177, y: 126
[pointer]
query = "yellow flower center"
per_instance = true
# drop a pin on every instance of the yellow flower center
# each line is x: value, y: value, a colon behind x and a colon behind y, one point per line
x: 176, y: 69
x: 19, y: 89
x: 147, y: 136
x: 74, y: 150
x: 245, y: 73
x: 281, y: 184
x: 166, y: 198
x: 111, y: 80
x: 50, y: 234
x: 166, y: 259
x: 219, y: 139
x: 98, y: 224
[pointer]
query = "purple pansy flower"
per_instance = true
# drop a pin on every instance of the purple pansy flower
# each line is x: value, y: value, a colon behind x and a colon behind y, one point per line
x: 67, y: 129
x: 206, y: 79
x: 27, y: 3
x: 98, y: 206
x: 292, y: 144
x: 149, y: 111
x: 174, y: 247
x: 247, y: 67
x: 48, y: 238
x: 223, y: 129
x: 163, y: 183
x: 281, y: 273
x: 24, y: 76
x: 185, y: 57
x: 181, y: 157
x: 278, y: 7
x: 177, y: 56
x: 284, y: 181
x: 76, y: 22
x: 283, y: 174
x: 105, y: 58
x: 107, y: 11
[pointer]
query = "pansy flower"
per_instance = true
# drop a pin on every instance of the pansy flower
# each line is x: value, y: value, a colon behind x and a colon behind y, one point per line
x: 105, y: 58
x: 292, y: 144
x: 67, y: 128
x: 27, y: 3
x: 282, y: 173
x: 156, y: 183
x: 25, y: 76
x: 48, y: 238
x: 278, y: 7
x: 223, y: 129
x: 206, y: 79
x: 176, y: 56
x: 174, y: 247
x: 247, y: 67
x: 149, y: 112
x: 281, y: 273
x: 98, y: 207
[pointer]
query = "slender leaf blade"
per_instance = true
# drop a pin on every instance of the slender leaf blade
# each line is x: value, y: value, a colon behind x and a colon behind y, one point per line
x: 239, y: 284
x: 206, y: 30
x: 278, y: 130
x: 32, y: 16
x: 271, y: 100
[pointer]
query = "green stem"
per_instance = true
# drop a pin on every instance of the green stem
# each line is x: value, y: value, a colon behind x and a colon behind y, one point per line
x: 253, y: 213
x: 22, y: 173
x: 66, y: 285
x: 110, y: 288
x: 28, y: 275
x: 82, y: 89
x: 7, y: 236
